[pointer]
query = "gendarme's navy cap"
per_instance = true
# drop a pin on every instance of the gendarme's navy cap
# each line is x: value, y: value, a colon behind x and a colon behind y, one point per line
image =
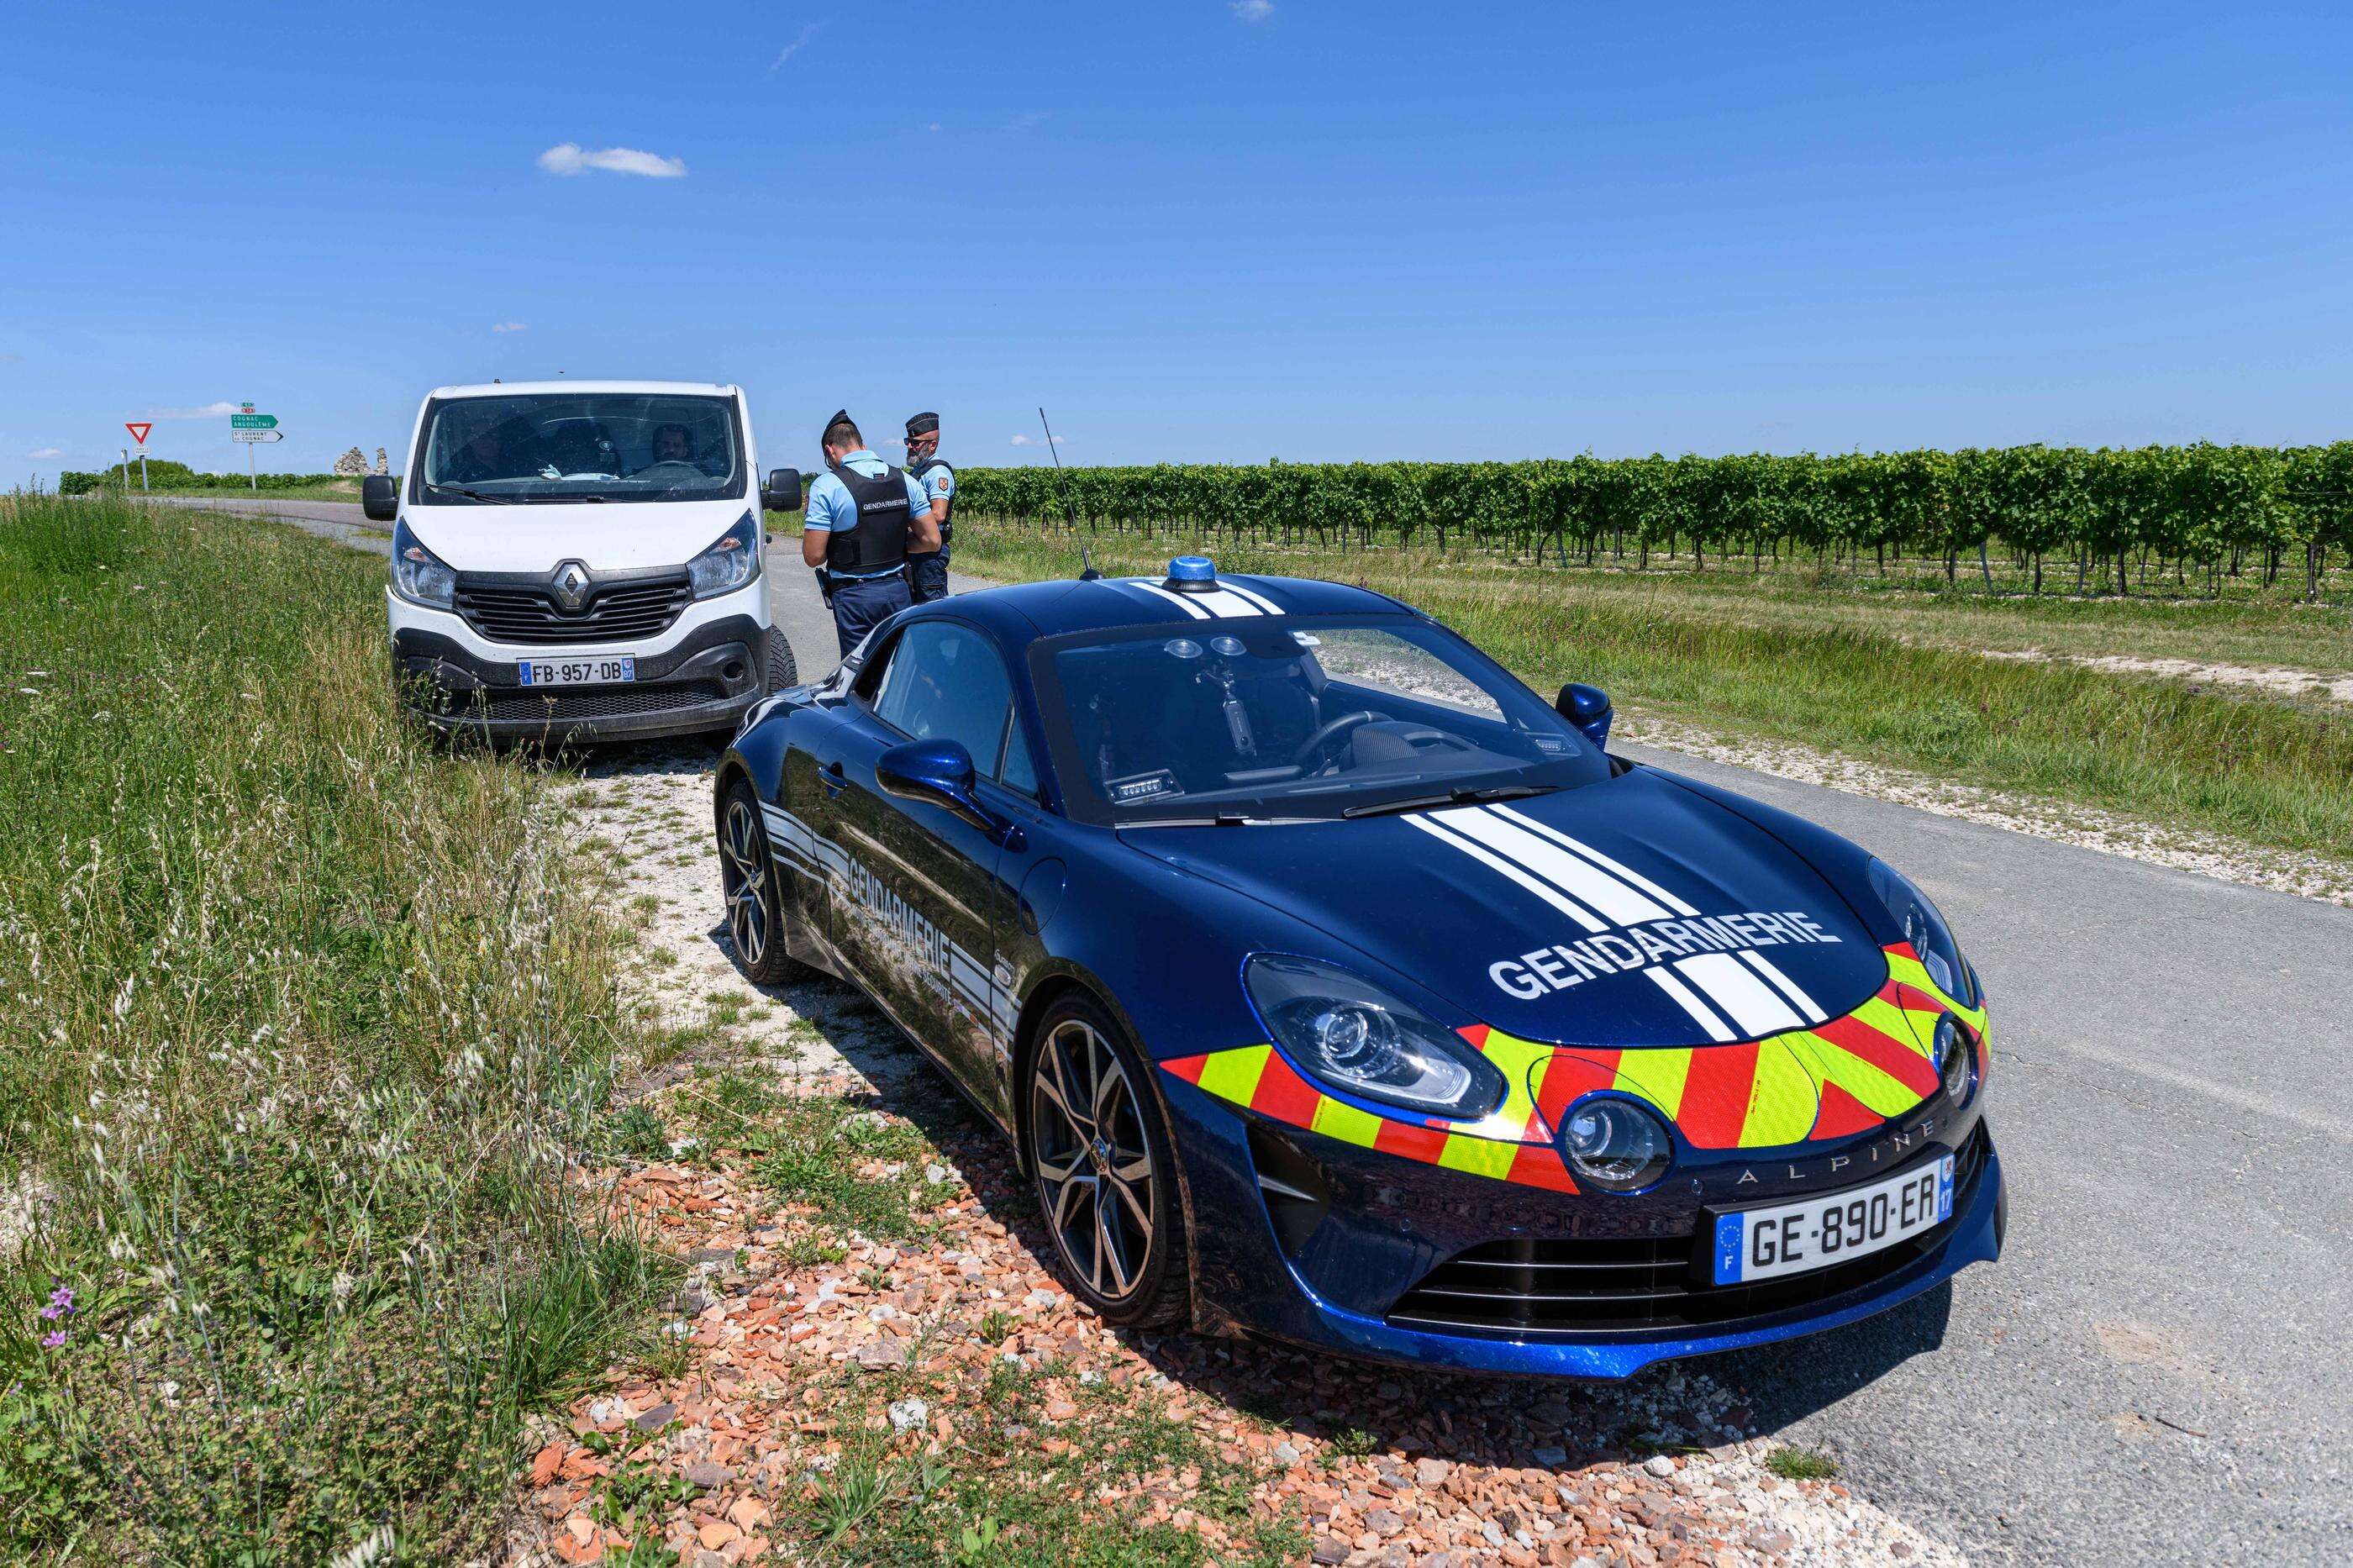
x: 923, y: 424
x: 840, y: 416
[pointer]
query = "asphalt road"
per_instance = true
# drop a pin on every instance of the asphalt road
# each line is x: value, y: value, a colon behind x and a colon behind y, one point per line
x: 2158, y: 1369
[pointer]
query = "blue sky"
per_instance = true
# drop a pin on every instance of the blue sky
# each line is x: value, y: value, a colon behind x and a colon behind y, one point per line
x: 1194, y: 230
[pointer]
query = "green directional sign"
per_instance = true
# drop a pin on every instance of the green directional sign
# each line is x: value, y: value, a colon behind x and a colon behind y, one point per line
x: 253, y: 421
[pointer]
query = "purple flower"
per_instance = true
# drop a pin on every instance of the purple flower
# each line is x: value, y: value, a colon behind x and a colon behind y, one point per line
x: 62, y: 1299
x: 53, y: 1312
x: 54, y: 1342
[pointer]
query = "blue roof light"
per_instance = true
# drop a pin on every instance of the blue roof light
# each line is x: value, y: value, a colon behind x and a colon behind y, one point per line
x: 1192, y: 569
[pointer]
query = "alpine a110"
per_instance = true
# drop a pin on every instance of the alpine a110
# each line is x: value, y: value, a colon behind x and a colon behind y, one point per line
x: 1335, y: 987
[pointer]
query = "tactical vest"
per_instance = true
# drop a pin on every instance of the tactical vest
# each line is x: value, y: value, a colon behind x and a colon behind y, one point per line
x: 948, y: 522
x: 884, y: 514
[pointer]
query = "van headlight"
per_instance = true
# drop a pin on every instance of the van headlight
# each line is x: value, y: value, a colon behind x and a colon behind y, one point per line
x: 417, y: 574
x: 732, y: 560
x: 1924, y: 927
x: 1359, y: 1038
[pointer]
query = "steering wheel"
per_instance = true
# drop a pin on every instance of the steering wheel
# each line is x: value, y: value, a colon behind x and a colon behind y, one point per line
x: 1326, y: 734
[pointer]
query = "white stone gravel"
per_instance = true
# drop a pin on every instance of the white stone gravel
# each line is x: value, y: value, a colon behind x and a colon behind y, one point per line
x: 2305, y: 876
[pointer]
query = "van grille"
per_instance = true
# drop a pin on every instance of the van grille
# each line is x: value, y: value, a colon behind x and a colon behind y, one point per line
x: 1528, y: 1287
x: 618, y: 612
x: 582, y: 704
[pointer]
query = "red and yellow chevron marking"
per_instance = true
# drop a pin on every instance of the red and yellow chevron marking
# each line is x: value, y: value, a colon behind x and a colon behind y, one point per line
x: 1841, y: 1077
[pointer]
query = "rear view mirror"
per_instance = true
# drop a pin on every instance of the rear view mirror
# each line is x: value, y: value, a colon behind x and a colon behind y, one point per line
x: 379, y: 497
x: 783, y: 491
x: 1587, y: 707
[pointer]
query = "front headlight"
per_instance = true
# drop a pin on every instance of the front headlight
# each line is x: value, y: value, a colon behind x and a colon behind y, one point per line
x: 1358, y: 1037
x: 418, y: 574
x: 1925, y: 930
x: 1956, y: 1058
x: 1615, y: 1144
x: 732, y: 560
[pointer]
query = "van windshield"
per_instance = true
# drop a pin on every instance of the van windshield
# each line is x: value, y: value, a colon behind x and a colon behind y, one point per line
x: 576, y: 447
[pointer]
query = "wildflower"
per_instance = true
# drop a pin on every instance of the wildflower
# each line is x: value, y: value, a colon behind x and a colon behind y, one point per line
x: 54, y: 1341
x: 62, y: 1299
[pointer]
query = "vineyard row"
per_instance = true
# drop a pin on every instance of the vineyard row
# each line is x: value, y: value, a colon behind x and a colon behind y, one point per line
x: 2210, y: 507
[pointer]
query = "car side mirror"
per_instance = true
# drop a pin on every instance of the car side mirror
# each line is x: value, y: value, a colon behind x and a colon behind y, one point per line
x: 937, y: 773
x: 1587, y: 707
x: 783, y: 491
x: 379, y: 497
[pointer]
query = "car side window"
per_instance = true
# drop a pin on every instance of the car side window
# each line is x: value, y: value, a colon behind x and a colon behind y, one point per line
x: 1018, y: 774
x: 946, y: 683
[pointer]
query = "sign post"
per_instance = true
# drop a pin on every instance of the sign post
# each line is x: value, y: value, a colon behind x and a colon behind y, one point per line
x: 250, y: 428
x: 137, y: 428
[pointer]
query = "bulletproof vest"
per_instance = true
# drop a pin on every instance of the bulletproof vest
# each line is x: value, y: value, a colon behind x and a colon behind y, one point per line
x: 925, y: 466
x: 880, y: 540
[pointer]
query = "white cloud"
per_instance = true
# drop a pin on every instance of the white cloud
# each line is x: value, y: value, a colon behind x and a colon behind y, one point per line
x: 1029, y: 120
x: 571, y: 158
x: 934, y: 125
x: 1252, y: 10
x: 209, y: 411
x: 46, y: 452
x: 510, y: 327
x: 798, y: 44
x: 1040, y: 440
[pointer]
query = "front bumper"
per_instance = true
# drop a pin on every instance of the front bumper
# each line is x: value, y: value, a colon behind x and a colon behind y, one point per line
x: 706, y: 680
x: 1343, y: 1272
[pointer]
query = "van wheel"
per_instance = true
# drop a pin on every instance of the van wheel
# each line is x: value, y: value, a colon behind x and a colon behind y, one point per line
x: 747, y: 882
x: 782, y: 672
x: 1100, y: 1156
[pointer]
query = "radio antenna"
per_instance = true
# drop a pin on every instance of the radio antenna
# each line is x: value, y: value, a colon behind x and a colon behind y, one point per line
x: 1087, y: 573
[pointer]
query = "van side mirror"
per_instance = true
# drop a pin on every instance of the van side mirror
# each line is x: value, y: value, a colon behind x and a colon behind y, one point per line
x: 380, y: 497
x: 1587, y: 707
x: 783, y: 491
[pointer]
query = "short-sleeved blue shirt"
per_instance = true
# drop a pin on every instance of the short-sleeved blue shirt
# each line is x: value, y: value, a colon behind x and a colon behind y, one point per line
x: 939, y: 481
x: 831, y: 509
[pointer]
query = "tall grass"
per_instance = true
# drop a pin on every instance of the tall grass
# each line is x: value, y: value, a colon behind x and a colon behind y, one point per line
x: 2263, y: 770
x: 298, y: 1012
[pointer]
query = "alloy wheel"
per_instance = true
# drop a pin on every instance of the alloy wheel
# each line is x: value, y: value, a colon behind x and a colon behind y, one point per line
x: 1095, y: 1162
x: 744, y: 880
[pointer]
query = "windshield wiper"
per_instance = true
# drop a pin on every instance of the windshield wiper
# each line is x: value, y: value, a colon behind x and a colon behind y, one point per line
x: 1462, y: 794
x: 470, y: 495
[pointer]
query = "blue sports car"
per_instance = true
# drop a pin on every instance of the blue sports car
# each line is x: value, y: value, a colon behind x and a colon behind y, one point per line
x: 1335, y: 987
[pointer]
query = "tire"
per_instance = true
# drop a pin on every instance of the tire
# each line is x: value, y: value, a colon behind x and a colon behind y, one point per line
x: 1132, y: 1271
x: 748, y: 886
x: 783, y: 672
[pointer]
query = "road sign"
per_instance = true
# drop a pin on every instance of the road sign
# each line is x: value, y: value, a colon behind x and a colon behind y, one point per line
x: 139, y: 428
x: 249, y: 436
x: 253, y: 421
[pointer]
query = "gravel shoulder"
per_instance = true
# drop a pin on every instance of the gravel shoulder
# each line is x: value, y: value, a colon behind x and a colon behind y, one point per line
x: 792, y: 1361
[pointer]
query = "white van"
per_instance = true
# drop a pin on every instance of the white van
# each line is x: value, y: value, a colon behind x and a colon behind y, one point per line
x: 583, y: 559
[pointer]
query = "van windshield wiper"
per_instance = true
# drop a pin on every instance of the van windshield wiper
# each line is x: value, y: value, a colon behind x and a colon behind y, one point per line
x: 1462, y: 794
x: 469, y: 495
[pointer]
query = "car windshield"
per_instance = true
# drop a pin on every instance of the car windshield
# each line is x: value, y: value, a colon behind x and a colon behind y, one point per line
x: 1295, y: 718
x: 580, y: 447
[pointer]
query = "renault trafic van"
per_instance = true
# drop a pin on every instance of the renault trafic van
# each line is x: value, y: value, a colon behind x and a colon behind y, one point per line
x: 582, y: 559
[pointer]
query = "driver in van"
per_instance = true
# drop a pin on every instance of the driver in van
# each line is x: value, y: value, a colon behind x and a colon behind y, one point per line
x: 485, y: 456
x: 673, y: 444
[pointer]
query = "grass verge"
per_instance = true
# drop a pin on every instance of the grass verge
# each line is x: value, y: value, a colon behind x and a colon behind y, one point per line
x: 298, y: 1012
x: 2266, y: 771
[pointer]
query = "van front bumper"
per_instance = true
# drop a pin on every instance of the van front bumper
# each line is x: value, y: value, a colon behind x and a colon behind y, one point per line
x: 706, y: 681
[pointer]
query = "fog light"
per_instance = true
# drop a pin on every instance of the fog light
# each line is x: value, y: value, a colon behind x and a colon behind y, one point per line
x: 1953, y: 1056
x: 1615, y: 1145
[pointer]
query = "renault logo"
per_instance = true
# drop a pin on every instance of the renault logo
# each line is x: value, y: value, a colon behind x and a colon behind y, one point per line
x: 572, y: 584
